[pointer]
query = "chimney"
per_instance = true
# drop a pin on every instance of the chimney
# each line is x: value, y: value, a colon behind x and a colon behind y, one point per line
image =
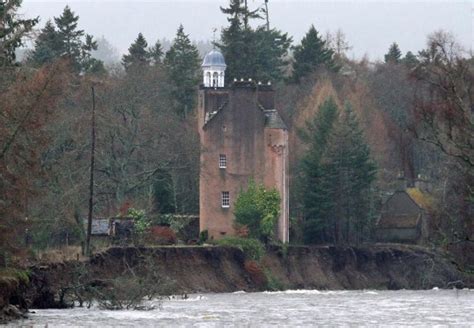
x: 266, y: 96
x: 401, y: 184
x: 423, y: 184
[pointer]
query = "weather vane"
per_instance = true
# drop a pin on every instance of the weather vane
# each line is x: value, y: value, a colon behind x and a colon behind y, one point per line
x: 214, y: 30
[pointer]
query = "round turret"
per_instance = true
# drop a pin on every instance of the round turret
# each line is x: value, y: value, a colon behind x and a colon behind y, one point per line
x: 213, y: 68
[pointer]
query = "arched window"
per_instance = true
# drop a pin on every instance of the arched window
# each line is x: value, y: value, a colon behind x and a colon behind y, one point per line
x: 221, y: 79
x: 215, y: 78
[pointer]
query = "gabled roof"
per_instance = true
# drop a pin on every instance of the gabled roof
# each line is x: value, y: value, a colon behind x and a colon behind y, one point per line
x: 420, y: 199
x: 273, y: 119
x: 211, y: 115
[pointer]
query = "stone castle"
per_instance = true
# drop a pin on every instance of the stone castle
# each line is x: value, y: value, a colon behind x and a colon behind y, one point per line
x: 243, y: 138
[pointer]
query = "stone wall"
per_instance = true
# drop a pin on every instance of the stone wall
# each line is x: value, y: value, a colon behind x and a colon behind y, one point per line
x: 237, y: 129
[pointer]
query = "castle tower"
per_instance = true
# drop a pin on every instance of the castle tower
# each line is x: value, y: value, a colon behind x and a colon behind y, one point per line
x: 213, y: 68
x: 243, y: 138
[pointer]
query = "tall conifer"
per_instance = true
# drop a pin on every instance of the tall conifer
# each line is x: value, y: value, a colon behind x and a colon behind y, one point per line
x: 394, y: 54
x: 68, y: 34
x: 313, y: 52
x: 336, y: 180
x: 234, y: 42
x: 410, y: 60
x: 138, y: 56
x: 156, y: 53
x: 47, y: 45
x: 315, y: 195
x: 12, y: 30
x: 252, y: 53
x: 182, y: 63
x: 350, y: 172
x: 66, y: 41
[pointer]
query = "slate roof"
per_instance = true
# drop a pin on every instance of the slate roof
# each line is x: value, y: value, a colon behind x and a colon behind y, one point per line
x: 211, y: 115
x: 273, y: 119
x: 388, y: 221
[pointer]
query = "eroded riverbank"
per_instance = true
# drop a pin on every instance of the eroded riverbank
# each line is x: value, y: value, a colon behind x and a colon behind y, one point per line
x: 220, y: 269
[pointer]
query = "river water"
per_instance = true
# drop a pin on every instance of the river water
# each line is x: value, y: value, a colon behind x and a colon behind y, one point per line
x: 299, y: 308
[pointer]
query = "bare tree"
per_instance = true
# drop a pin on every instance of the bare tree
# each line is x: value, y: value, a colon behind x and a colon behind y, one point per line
x: 338, y: 43
x: 444, y: 112
x: 444, y: 105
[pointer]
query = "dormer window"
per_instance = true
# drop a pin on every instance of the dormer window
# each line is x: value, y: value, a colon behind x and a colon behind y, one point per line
x: 222, y: 161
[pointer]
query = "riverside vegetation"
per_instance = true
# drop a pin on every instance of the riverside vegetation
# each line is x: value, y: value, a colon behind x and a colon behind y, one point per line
x: 355, y: 126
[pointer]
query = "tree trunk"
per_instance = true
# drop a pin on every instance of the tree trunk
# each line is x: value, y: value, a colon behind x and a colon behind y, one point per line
x: 91, y: 180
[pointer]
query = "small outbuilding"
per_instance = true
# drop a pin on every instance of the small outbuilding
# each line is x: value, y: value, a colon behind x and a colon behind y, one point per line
x: 100, y: 227
x: 404, y: 218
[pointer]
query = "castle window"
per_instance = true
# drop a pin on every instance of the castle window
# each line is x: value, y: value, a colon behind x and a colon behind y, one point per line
x: 222, y: 161
x: 225, y: 199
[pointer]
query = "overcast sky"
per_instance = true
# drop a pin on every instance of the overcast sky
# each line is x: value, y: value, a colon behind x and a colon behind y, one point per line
x: 370, y: 26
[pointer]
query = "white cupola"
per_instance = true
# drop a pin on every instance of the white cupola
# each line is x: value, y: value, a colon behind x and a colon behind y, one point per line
x: 213, y: 69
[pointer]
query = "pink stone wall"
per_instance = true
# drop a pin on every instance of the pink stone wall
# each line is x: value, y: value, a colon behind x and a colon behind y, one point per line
x: 252, y: 152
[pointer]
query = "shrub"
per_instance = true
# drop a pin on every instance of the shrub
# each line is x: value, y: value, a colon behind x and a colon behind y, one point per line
x: 203, y: 236
x: 252, y: 248
x: 258, y: 210
x: 123, y: 292
x: 185, y: 227
x: 139, y: 282
x: 162, y: 235
x: 141, y: 221
x: 22, y: 276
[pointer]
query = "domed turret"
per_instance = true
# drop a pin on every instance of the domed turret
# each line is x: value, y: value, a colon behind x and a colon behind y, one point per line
x: 213, y: 68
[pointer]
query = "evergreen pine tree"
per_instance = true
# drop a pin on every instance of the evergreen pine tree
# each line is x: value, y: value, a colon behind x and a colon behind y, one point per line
x: 252, y: 53
x: 66, y: 41
x: 87, y: 62
x: 313, y: 52
x: 271, y: 49
x: 315, y: 195
x: 350, y: 172
x: 12, y: 30
x: 69, y: 35
x: 182, y: 64
x: 138, y: 56
x: 235, y: 42
x: 47, y: 46
x: 240, y: 13
x: 156, y: 53
x: 410, y: 60
x: 394, y: 54
x: 337, y: 177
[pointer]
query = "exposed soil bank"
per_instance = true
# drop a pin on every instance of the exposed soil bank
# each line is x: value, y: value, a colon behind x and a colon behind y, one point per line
x: 12, y: 302
x: 220, y: 269
x: 374, y: 267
